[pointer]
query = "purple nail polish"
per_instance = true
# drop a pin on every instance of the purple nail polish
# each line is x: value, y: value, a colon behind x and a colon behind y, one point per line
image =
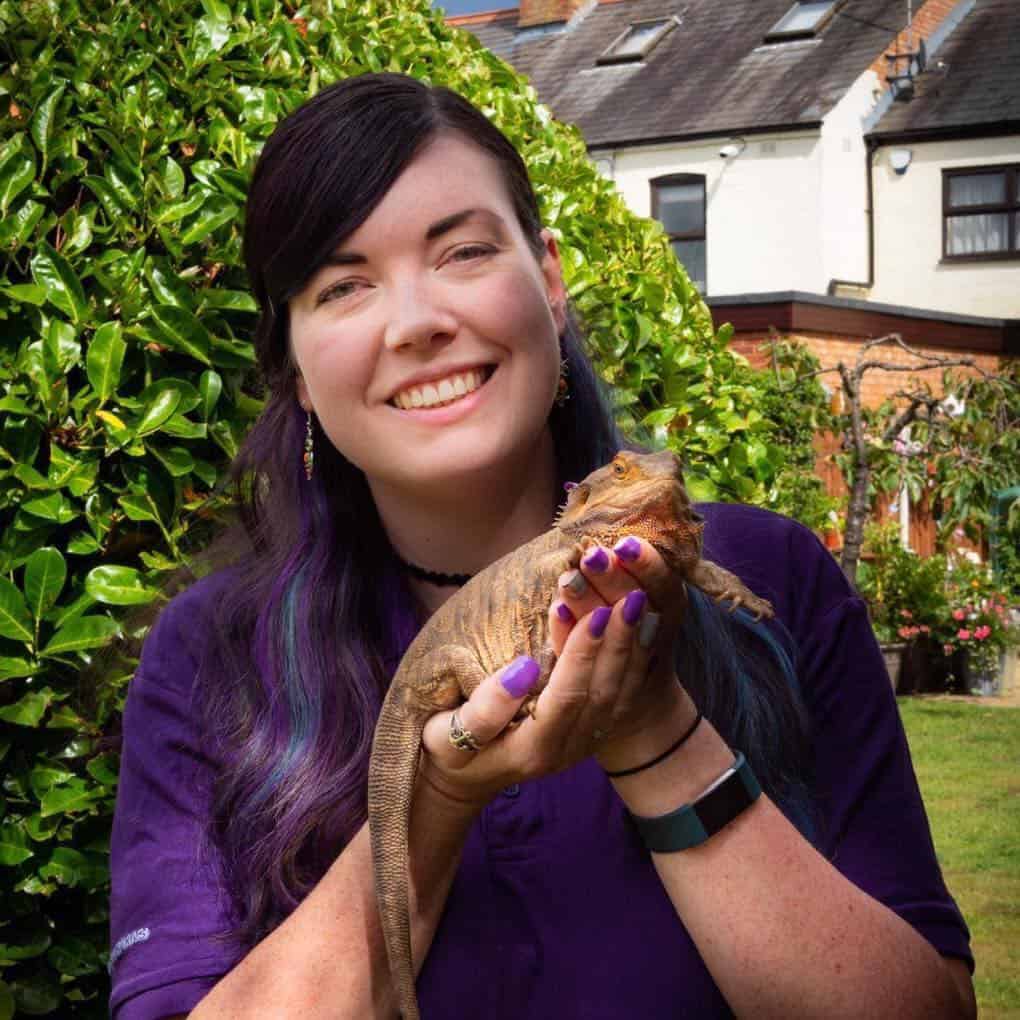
x: 598, y: 621
x: 597, y: 561
x: 632, y: 606
x: 628, y: 549
x: 519, y: 677
x: 564, y: 613
x: 567, y: 486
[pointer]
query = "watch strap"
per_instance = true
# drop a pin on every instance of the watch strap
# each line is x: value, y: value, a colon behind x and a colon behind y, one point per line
x: 690, y: 825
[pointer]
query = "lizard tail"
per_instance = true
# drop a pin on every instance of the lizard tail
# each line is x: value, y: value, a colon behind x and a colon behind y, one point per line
x: 391, y: 776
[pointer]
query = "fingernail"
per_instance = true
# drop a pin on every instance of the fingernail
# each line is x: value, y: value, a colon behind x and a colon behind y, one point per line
x: 574, y: 581
x: 647, y: 630
x: 564, y: 613
x: 597, y: 561
x: 598, y: 621
x: 628, y: 549
x: 519, y: 677
x: 632, y: 606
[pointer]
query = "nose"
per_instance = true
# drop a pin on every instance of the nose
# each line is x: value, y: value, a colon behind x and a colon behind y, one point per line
x: 418, y: 317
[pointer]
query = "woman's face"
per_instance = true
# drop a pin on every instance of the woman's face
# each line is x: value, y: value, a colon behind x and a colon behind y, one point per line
x: 428, y: 346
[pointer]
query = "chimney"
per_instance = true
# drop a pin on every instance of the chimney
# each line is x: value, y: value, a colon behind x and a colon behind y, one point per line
x: 546, y: 12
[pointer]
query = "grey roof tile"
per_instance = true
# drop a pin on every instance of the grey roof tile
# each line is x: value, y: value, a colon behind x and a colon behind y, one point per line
x: 713, y: 74
x: 978, y: 83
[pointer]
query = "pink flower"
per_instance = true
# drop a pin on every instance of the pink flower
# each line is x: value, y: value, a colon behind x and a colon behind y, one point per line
x: 959, y: 614
x: 963, y: 635
x: 948, y: 649
x: 906, y: 614
x: 982, y: 632
x: 925, y: 629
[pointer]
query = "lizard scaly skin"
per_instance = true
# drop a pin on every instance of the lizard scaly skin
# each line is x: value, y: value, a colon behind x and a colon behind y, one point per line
x: 502, y: 613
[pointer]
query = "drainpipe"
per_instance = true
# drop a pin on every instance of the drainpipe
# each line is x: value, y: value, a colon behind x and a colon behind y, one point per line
x: 870, y: 148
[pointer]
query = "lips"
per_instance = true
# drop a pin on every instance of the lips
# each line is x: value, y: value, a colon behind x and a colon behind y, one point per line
x: 442, y: 391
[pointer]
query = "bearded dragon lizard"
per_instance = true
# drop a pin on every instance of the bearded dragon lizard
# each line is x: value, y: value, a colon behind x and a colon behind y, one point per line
x: 499, y: 614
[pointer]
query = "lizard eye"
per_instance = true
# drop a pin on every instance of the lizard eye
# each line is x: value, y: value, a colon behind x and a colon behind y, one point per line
x: 619, y: 468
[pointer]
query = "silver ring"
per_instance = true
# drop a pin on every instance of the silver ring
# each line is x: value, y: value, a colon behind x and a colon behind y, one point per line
x: 460, y: 738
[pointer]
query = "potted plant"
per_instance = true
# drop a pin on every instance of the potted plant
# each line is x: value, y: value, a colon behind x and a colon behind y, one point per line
x: 978, y: 628
x: 907, y: 602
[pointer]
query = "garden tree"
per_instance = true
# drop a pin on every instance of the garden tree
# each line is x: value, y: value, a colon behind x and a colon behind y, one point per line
x: 127, y: 136
x: 962, y: 446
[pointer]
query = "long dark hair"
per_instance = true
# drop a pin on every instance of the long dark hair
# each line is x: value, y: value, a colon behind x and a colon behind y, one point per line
x: 317, y: 614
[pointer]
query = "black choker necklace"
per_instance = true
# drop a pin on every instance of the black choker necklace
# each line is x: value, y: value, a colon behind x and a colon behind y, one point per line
x: 434, y: 576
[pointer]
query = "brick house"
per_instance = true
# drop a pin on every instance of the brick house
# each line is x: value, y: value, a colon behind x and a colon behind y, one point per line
x: 823, y: 167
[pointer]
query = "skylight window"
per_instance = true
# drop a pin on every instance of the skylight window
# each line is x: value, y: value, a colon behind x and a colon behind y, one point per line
x: 802, y: 20
x: 637, y: 41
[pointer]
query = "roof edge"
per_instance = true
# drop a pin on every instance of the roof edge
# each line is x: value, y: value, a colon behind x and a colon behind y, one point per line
x: 481, y: 17
x: 856, y: 304
x: 946, y: 133
x: 696, y: 136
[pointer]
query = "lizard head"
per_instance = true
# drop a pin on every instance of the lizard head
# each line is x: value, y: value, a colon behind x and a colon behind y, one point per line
x: 637, y: 494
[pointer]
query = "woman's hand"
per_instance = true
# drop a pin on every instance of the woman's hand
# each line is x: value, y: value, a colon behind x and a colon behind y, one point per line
x: 600, y: 698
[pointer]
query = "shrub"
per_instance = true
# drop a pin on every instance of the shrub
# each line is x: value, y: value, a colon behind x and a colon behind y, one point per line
x: 127, y: 136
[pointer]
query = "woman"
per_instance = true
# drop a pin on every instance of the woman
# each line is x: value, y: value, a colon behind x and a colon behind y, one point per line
x: 413, y: 328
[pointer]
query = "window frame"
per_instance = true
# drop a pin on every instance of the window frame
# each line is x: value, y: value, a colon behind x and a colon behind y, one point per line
x: 666, y: 25
x: 775, y: 34
x: 1011, y: 206
x: 684, y: 178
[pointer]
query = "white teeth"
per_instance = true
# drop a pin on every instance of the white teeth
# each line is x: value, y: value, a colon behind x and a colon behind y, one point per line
x: 440, y: 393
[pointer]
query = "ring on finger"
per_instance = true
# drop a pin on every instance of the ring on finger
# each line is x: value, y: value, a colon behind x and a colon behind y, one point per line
x: 460, y: 738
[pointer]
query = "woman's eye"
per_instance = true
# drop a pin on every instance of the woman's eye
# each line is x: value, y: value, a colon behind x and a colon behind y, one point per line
x: 337, y: 290
x: 469, y: 252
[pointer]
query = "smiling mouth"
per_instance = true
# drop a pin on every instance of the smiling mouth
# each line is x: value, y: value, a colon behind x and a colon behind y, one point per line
x: 442, y: 392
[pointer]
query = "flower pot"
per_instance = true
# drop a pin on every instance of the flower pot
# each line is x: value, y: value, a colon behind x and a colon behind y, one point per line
x: 893, y: 655
x: 925, y: 669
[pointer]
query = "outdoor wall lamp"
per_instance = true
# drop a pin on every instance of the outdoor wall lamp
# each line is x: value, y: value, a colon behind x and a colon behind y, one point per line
x: 899, y: 159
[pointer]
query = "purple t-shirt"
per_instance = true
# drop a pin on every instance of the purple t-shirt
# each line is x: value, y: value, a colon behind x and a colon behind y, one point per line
x: 557, y: 909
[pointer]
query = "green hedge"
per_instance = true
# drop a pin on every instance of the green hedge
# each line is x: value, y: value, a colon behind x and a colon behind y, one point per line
x: 127, y: 135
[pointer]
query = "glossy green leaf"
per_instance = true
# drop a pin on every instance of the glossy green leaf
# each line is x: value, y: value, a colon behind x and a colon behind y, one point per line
x: 210, y: 386
x: 27, y: 293
x: 161, y: 408
x: 54, y: 507
x: 176, y: 459
x: 45, y: 574
x: 81, y: 634
x: 118, y: 586
x: 29, y: 709
x: 181, y: 330
x: 43, y: 120
x: 15, y: 619
x: 17, y: 226
x: 83, y: 544
x: 61, y: 350
x: 14, y: 845
x: 76, y: 795
x: 17, y: 171
x: 229, y: 300
x: 11, y: 667
x: 216, y: 211
x: 54, y: 274
x: 105, y: 360
x: 173, y: 178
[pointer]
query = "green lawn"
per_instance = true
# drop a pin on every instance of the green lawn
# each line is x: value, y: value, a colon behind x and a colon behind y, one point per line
x: 968, y: 764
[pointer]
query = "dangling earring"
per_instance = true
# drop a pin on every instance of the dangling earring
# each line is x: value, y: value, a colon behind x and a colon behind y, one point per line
x: 308, y: 457
x: 562, y: 386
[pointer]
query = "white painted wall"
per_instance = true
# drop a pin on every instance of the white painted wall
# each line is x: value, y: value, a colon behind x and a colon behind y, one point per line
x: 908, y: 234
x: 762, y: 207
x: 843, y: 223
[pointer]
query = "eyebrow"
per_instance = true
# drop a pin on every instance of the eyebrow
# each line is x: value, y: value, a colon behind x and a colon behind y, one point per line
x: 437, y: 229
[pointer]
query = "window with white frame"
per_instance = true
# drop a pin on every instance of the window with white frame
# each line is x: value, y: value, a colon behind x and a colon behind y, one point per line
x: 678, y: 203
x: 636, y: 41
x: 981, y: 213
x: 802, y: 20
